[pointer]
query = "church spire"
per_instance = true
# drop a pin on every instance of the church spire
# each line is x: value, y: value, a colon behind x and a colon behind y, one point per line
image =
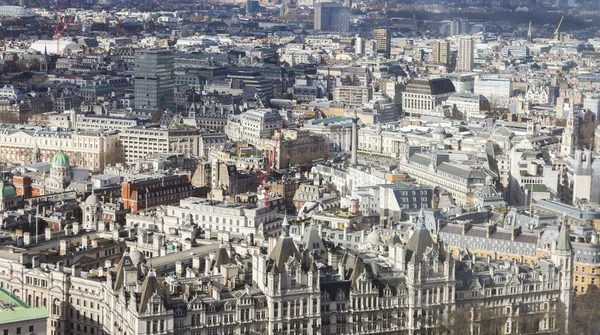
x: 530, y: 33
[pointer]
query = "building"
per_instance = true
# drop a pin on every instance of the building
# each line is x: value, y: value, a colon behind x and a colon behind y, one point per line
x: 253, y: 125
x: 137, y: 143
x: 87, y: 149
x: 497, y: 90
x: 383, y: 38
x: 466, y: 54
x: 359, y: 45
x: 440, y: 52
x: 426, y: 96
x: 570, y: 135
x: 17, y: 317
x: 154, y: 79
x: 468, y: 105
x: 138, y: 194
x: 295, y: 147
x: 331, y: 16
x: 353, y: 96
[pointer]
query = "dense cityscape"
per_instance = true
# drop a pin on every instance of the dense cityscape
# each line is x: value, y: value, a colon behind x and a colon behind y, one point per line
x: 299, y: 167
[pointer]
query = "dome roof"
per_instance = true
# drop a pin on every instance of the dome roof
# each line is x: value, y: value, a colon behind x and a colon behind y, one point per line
x: 92, y: 200
x: 439, y: 130
x: 7, y: 189
x: 136, y: 257
x: 60, y: 158
x: 374, y: 238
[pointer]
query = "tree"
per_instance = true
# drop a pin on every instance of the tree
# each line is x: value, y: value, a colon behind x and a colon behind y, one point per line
x: 584, y: 318
x: 458, y: 323
x: 587, y: 131
x: 491, y: 321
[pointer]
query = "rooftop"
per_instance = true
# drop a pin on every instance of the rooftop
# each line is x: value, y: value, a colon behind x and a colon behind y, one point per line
x: 12, y: 309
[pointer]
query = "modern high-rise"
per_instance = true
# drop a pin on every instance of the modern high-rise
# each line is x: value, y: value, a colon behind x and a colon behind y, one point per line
x: 331, y: 16
x: 359, y: 45
x: 154, y: 80
x: 383, y: 37
x: 466, y: 51
x: 440, y: 53
x: 459, y: 27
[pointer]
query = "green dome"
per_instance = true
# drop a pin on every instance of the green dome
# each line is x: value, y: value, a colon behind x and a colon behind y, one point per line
x: 7, y: 190
x: 60, y: 158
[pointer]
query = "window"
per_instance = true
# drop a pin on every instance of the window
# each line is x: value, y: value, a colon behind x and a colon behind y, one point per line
x: 31, y: 329
x: 18, y: 330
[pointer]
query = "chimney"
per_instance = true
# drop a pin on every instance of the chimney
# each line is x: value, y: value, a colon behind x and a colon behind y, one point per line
x: 85, y: 242
x: 26, y: 238
x: 48, y: 233
x: 75, y: 271
x: 179, y: 269
x: 35, y: 262
x: 64, y: 245
x: 196, y: 263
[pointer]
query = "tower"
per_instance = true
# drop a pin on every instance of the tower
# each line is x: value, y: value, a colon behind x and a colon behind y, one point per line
x: 61, y: 169
x: 359, y: 45
x: 154, y: 83
x: 466, y: 51
x: 331, y: 16
x: 562, y: 256
x: 383, y: 37
x: 570, y: 133
x: 91, y: 209
x: 440, y: 53
x: 354, y: 158
x: 530, y: 33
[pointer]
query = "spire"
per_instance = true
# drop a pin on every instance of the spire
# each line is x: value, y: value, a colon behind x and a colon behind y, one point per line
x: 421, y: 219
x: 530, y: 33
x: 285, y: 226
x: 564, y: 238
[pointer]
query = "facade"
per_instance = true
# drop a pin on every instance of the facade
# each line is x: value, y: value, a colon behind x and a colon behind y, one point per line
x: 154, y: 79
x: 137, y: 143
x: 497, y: 90
x: 295, y: 147
x: 139, y: 194
x: 468, y: 105
x: 87, y: 149
x: 353, y: 96
x: 440, y: 53
x: 426, y: 96
x: 466, y: 54
x: 331, y: 16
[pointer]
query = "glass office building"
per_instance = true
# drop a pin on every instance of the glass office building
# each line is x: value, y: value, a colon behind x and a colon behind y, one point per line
x: 154, y: 81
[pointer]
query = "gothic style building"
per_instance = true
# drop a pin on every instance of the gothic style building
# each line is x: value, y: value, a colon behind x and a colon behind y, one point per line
x: 285, y: 287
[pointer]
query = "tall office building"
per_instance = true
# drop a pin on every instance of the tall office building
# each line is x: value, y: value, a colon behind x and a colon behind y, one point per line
x: 383, y: 37
x: 466, y: 53
x: 331, y: 16
x: 459, y: 27
x: 359, y: 45
x: 440, y: 53
x: 154, y: 81
x: 252, y: 6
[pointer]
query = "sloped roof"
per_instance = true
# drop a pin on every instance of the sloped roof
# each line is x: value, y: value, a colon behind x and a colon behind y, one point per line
x: 419, y: 241
x: 283, y: 250
x: 150, y: 287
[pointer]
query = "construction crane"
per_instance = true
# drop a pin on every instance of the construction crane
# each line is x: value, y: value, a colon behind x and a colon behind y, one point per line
x: 58, y: 30
x: 556, y: 32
